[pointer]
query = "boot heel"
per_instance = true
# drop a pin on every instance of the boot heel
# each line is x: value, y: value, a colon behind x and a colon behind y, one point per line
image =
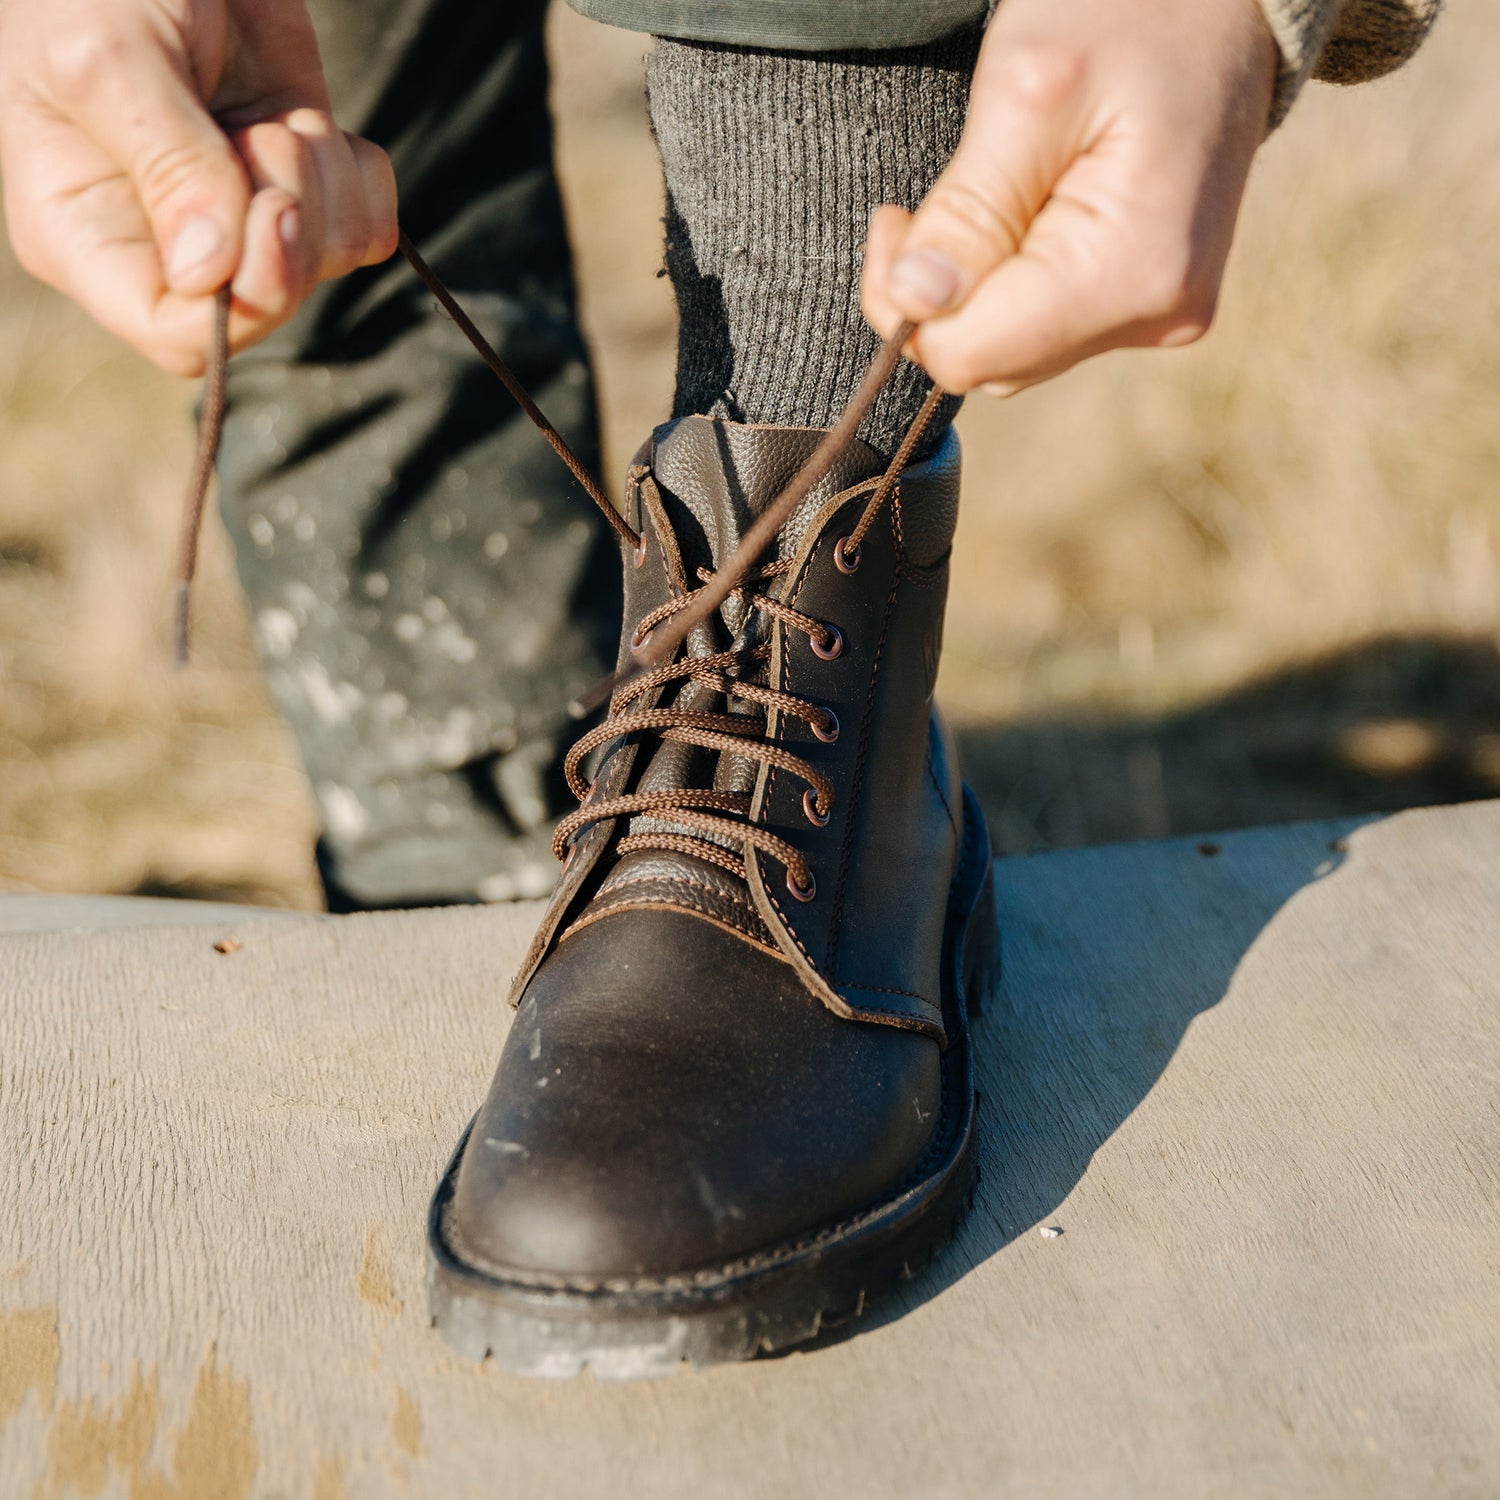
x: 981, y: 971
x: 976, y: 932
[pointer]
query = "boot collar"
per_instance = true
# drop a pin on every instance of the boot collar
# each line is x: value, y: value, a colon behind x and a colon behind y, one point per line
x: 696, y: 486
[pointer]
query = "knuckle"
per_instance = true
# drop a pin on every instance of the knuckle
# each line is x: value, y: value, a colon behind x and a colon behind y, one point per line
x: 270, y: 141
x: 974, y: 213
x: 265, y: 310
x: 1042, y: 76
x: 339, y: 263
x: 346, y: 245
x: 1189, y: 324
x: 78, y: 62
x: 27, y: 246
x: 879, y: 313
x: 311, y: 124
x: 168, y: 170
x: 956, y: 370
x: 384, y: 239
x: 377, y: 168
x: 186, y: 363
x: 1167, y: 285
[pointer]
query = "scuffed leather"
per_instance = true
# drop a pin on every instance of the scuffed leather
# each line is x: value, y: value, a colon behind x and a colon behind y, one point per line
x: 668, y: 1099
x: 925, y: 510
x: 662, y: 879
x: 870, y: 941
x: 718, y: 476
x: 646, y: 587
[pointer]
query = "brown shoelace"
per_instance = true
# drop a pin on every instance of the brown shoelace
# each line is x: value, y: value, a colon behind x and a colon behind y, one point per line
x: 697, y: 814
x: 706, y: 815
x: 210, y: 429
x: 693, y: 808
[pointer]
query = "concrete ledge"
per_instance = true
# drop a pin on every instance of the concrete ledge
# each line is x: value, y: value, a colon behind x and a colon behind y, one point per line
x: 1256, y: 1087
x: 27, y: 913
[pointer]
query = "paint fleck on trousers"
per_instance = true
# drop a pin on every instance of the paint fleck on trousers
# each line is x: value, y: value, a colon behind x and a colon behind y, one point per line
x: 428, y: 587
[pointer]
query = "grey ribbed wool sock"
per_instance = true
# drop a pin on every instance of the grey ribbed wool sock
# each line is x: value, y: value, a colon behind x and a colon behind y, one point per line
x: 774, y: 162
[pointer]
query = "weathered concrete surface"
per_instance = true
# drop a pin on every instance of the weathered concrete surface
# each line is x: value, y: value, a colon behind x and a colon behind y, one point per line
x: 47, y: 913
x: 1259, y: 1090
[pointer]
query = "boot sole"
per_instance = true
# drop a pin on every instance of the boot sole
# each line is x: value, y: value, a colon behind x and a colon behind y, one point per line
x: 783, y: 1296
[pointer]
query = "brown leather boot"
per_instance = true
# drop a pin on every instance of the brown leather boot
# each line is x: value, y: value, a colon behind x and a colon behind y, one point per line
x: 735, y: 1103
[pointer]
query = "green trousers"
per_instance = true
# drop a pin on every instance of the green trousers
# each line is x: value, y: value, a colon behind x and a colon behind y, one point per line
x: 428, y: 586
x: 791, y: 25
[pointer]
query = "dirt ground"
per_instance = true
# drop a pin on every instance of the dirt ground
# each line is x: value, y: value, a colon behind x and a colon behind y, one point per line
x: 1251, y: 581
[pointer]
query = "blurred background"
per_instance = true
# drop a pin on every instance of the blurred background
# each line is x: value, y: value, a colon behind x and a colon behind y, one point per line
x: 1247, y: 582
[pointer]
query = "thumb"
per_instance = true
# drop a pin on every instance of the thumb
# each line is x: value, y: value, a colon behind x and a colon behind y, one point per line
x: 1015, y: 146
x: 191, y: 185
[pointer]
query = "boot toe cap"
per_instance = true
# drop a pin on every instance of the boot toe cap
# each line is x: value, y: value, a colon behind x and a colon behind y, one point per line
x: 671, y: 1098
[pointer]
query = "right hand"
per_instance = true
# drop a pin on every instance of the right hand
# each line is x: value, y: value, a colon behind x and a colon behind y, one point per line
x: 153, y: 150
x: 1092, y: 199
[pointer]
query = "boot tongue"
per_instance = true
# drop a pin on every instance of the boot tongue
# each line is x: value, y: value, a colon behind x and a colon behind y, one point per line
x: 714, y: 478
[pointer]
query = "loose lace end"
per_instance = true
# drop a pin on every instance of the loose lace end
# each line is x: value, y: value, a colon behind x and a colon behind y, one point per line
x: 210, y: 430
x: 601, y: 692
x: 181, y: 617
x: 663, y: 642
x: 649, y: 656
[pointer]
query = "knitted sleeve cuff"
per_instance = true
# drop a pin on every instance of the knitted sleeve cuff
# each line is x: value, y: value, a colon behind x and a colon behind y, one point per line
x: 1342, y: 41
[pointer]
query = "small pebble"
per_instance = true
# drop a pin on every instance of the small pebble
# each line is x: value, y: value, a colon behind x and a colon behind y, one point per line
x: 228, y: 945
x: 1050, y: 1231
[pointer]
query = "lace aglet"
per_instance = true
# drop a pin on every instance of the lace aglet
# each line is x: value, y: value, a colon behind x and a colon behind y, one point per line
x: 601, y: 692
x: 651, y: 653
x: 181, y: 618
x: 210, y: 427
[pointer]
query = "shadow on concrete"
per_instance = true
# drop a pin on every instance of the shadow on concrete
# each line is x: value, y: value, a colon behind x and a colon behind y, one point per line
x: 1108, y: 955
x: 1399, y: 721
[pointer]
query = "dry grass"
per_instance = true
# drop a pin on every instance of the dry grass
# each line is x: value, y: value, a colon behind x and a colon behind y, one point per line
x: 1253, y: 580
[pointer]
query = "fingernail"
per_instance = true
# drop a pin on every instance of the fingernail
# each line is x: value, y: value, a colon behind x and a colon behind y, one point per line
x: 289, y: 227
x: 197, y: 241
x: 999, y: 388
x: 928, y: 279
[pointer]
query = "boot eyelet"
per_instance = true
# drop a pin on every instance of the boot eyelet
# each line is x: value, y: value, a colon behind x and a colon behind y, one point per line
x: 802, y: 892
x: 831, y: 646
x: 638, y: 557
x: 810, y: 810
x: 845, y: 557
x: 637, y: 640
x: 828, y: 730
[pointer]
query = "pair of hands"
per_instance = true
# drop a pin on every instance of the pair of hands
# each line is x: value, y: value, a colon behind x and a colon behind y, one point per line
x: 152, y: 150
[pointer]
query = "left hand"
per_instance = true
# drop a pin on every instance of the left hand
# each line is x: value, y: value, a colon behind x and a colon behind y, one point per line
x: 1092, y: 199
x: 123, y: 189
